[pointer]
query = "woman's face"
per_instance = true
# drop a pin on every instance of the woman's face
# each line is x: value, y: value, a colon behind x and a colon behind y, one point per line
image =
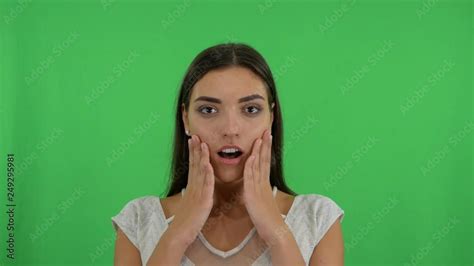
x: 222, y: 113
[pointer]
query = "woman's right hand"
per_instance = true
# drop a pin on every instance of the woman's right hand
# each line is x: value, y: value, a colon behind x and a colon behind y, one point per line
x: 197, y: 202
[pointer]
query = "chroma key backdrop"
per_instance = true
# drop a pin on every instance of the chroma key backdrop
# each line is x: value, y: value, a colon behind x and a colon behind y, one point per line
x: 376, y: 99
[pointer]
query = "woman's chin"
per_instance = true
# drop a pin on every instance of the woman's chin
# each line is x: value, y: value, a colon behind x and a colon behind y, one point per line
x: 229, y: 175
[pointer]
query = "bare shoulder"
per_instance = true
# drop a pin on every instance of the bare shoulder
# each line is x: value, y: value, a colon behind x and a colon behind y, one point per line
x: 125, y: 252
x: 330, y: 248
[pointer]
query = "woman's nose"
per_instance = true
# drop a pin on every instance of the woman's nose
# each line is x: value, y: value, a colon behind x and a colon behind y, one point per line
x: 231, y: 125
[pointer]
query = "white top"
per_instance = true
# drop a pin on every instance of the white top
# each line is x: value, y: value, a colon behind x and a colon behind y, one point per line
x: 309, y: 218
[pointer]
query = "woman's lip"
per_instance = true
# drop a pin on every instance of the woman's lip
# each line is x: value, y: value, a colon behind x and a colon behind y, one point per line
x: 228, y: 161
x: 230, y: 147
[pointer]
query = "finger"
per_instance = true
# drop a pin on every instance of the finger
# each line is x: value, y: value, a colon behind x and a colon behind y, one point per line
x: 255, y: 147
x: 191, y: 160
x: 203, y: 165
x: 199, y: 148
x: 198, y: 139
x: 248, y: 178
x: 256, y: 163
x: 196, y: 151
x: 190, y: 151
x: 209, y: 175
x: 204, y: 157
x: 208, y: 189
x: 249, y: 166
x: 265, y: 156
x: 196, y: 158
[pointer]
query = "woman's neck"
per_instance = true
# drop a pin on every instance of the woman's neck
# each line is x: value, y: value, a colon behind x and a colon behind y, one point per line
x: 228, y: 200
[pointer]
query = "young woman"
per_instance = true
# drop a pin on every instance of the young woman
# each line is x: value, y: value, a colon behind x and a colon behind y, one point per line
x: 228, y: 202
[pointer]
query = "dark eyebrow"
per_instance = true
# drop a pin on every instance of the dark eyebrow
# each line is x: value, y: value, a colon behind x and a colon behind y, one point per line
x: 241, y: 100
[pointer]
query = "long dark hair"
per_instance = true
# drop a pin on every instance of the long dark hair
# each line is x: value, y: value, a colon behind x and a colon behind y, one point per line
x: 215, y: 57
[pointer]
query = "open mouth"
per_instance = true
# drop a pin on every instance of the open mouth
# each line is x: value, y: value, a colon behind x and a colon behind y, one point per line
x: 230, y: 153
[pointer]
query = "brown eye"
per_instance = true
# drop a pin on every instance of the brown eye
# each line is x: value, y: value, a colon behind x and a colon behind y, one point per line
x: 205, y: 109
x: 252, y: 109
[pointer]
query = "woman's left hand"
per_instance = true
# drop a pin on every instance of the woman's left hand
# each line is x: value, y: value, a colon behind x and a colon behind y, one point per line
x: 257, y: 196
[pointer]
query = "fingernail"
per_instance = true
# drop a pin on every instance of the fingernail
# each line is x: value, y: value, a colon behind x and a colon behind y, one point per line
x: 203, y: 146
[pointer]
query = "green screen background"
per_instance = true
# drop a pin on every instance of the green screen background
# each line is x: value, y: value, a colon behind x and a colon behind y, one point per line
x: 376, y: 99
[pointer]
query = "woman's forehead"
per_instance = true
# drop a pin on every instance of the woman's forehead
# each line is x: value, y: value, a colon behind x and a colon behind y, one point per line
x: 229, y: 95
x: 229, y: 84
